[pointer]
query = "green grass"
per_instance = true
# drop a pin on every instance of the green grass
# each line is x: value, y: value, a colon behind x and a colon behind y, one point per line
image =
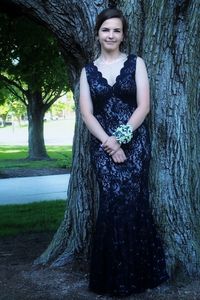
x: 15, y: 157
x: 33, y: 217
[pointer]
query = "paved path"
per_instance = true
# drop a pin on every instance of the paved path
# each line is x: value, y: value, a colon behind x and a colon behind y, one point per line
x: 33, y: 189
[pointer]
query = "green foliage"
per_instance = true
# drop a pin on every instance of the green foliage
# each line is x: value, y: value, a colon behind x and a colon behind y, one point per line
x: 4, y: 109
x: 4, y: 93
x: 32, y: 69
x: 17, y: 108
x: 34, y: 217
x: 15, y: 157
x: 11, y: 106
x: 58, y: 107
x: 63, y: 105
x: 30, y: 56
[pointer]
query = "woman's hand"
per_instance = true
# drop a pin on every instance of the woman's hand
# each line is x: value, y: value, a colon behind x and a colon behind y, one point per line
x: 119, y: 156
x: 111, y: 145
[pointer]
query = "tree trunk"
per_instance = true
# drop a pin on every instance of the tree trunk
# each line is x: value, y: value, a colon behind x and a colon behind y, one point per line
x: 170, y: 47
x: 164, y: 33
x: 167, y: 39
x: 35, y: 112
x: 72, y: 240
x: 3, y: 117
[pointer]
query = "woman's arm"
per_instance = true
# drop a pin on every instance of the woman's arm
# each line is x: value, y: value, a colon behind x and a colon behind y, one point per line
x: 86, y: 108
x: 92, y: 123
x: 143, y: 97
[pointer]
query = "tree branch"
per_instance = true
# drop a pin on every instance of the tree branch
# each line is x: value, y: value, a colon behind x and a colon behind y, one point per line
x: 78, y: 45
x: 54, y: 99
x: 47, y: 97
x: 53, y: 94
x: 22, y: 99
x: 13, y: 83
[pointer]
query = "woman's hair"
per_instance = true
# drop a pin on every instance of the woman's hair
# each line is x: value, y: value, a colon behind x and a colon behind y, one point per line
x: 109, y: 13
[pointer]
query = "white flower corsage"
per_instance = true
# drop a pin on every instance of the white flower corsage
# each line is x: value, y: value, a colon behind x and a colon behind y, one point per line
x: 123, y: 134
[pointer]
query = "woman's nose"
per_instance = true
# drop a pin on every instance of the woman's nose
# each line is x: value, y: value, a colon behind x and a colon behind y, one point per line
x: 110, y: 34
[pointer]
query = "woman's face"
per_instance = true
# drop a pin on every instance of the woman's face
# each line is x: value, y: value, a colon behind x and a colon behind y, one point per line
x: 110, y: 34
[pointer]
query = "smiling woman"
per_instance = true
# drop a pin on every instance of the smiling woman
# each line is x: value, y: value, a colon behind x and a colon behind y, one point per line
x: 127, y: 255
x: 110, y: 34
x: 169, y: 41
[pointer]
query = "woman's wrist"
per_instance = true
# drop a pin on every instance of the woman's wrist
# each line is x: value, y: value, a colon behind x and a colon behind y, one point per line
x: 104, y: 139
x: 131, y: 126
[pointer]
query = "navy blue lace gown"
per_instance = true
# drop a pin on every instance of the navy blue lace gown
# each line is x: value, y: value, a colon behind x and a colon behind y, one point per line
x: 127, y: 254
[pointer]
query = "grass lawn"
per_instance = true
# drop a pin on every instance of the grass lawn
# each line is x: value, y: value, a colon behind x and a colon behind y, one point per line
x: 33, y: 217
x: 15, y: 157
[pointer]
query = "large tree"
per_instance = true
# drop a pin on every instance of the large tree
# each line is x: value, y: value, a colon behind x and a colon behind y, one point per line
x: 33, y: 71
x: 164, y: 33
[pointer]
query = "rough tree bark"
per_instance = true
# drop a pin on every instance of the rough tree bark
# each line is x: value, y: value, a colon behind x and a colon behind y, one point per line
x: 164, y: 33
x: 171, y: 48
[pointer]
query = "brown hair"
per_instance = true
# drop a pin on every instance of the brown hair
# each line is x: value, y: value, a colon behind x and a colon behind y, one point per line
x: 109, y: 13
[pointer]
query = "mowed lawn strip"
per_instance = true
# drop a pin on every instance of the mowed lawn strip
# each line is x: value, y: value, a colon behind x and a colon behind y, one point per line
x: 15, y: 157
x: 33, y: 217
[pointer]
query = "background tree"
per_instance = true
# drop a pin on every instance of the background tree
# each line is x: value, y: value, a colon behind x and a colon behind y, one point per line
x: 164, y: 33
x: 18, y: 109
x: 32, y: 69
x: 58, y: 108
x: 4, y: 110
x: 10, y: 107
x: 62, y: 107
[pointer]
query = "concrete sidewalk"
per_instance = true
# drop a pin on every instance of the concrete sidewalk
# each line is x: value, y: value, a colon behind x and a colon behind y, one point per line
x: 33, y: 189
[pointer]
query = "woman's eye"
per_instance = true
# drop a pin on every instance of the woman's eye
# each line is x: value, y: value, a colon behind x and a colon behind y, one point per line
x: 106, y: 29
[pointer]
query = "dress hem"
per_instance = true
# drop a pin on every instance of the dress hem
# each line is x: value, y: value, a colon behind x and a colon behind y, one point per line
x: 131, y: 292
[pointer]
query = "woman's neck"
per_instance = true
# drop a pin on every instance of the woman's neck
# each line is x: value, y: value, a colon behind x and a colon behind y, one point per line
x: 108, y: 58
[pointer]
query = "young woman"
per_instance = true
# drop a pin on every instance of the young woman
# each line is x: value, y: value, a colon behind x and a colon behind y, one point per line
x: 127, y: 254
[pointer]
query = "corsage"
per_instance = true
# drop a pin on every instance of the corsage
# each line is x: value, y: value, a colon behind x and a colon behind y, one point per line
x: 123, y: 134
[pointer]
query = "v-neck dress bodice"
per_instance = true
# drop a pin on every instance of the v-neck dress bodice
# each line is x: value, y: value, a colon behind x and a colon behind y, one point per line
x: 127, y: 254
x: 111, y: 70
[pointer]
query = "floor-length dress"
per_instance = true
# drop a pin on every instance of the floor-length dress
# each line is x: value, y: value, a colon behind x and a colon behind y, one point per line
x: 127, y: 254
